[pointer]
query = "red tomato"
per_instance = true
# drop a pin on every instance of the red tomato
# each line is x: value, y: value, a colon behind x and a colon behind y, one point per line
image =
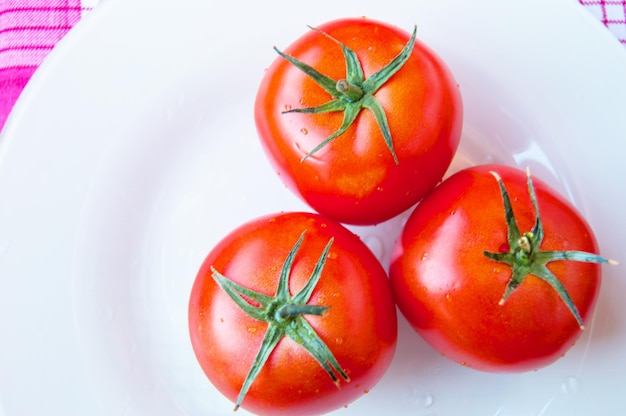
x: 357, y: 315
x: 362, y: 176
x: 450, y: 285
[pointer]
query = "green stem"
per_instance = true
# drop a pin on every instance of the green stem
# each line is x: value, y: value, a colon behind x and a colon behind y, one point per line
x: 525, y: 256
x: 291, y: 310
x: 284, y: 314
x: 351, y: 92
x: 354, y: 93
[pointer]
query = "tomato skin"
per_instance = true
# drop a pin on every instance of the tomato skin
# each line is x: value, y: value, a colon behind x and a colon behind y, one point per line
x: 354, y: 179
x: 360, y: 328
x: 449, y: 290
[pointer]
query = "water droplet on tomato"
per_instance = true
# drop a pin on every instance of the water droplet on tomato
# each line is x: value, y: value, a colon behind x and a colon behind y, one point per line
x: 304, y: 131
x: 424, y: 256
x: 287, y: 107
x: 571, y: 385
x: 252, y: 329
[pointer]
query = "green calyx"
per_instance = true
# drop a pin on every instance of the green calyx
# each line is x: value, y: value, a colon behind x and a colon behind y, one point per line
x: 354, y: 93
x: 525, y: 256
x: 284, y: 315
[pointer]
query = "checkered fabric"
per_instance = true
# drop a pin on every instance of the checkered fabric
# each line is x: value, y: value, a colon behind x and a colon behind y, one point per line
x: 610, y: 12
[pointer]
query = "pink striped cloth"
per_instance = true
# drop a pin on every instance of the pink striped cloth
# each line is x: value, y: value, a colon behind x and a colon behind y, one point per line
x: 29, y: 29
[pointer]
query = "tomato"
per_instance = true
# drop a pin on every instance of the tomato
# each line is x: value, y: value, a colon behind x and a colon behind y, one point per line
x: 359, y: 119
x: 301, y: 299
x: 493, y: 291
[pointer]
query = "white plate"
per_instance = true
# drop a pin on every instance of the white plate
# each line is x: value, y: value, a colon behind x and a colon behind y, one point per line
x: 115, y: 182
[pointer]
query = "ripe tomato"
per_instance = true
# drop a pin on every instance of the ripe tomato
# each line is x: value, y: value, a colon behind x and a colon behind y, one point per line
x: 483, y: 287
x: 343, y: 328
x: 397, y: 101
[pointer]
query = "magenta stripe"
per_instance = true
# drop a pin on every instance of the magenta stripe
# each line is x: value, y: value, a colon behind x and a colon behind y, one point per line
x: 12, y: 82
x: 42, y: 9
x: 12, y: 40
x: 35, y: 28
x: 26, y: 48
x: 601, y: 2
x: 23, y: 57
x: 32, y: 35
x: 16, y: 68
x: 41, y: 17
x: 67, y: 15
x: 13, y: 68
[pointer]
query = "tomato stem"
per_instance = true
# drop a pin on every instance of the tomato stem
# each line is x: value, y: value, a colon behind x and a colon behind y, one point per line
x: 284, y: 315
x: 525, y: 256
x: 524, y: 243
x: 355, y: 92
x: 350, y: 91
x: 292, y: 310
